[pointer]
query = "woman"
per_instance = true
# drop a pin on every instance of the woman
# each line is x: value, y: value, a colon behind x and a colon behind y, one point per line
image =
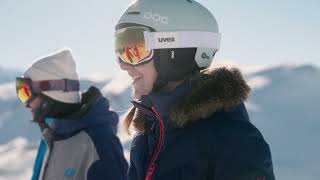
x: 190, y: 120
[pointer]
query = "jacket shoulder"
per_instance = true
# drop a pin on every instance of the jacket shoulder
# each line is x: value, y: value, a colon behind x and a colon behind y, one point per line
x: 111, y: 163
x: 239, y: 151
x: 104, y: 139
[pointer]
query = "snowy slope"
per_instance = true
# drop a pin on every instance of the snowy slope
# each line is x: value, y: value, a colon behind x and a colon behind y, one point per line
x: 287, y: 112
x: 283, y: 105
x: 16, y: 159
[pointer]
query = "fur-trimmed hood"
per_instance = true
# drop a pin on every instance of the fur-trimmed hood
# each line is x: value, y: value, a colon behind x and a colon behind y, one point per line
x: 211, y: 90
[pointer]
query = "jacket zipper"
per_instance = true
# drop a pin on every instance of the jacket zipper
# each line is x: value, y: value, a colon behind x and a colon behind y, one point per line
x: 153, y: 165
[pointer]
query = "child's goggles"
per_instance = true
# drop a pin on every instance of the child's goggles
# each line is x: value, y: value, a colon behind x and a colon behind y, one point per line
x: 27, y: 89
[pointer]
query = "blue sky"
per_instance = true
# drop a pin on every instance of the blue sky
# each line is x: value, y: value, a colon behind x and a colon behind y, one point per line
x: 253, y: 32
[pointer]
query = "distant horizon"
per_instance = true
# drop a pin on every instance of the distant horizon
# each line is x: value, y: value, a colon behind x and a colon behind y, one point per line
x: 247, y: 68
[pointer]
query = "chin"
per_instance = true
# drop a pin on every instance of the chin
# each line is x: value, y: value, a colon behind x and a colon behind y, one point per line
x: 135, y: 95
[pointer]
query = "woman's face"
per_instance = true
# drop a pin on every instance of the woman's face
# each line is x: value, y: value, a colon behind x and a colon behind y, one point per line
x: 34, y: 105
x: 143, y: 77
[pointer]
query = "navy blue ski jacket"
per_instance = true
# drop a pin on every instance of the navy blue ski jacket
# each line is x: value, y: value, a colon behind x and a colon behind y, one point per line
x: 199, y: 131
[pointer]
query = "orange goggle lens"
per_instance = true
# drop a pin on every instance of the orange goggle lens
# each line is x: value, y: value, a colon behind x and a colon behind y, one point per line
x: 130, y: 45
x: 24, y: 91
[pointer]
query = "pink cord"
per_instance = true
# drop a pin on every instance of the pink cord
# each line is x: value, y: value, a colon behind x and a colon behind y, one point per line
x: 152, y: 165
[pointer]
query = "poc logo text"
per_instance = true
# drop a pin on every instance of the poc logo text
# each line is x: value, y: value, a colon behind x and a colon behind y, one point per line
x: 156, y: 17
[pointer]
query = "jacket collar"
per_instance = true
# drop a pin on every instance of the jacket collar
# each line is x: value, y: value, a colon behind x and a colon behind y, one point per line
x: 197, y: 98
x: 94, y: 111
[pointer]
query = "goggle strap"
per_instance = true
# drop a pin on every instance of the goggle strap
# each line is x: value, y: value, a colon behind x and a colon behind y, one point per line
x: 182, y: 39
x: 65, y: 85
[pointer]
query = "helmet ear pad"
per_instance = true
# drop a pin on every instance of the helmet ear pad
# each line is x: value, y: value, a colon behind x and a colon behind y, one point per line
x: 174, y: 64
x: 204, y: 57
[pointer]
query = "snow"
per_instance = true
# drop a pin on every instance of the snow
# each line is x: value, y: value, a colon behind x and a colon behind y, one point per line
x: 118, y: 84
x: 258, y: 82
x: 16, y: 159
x: 7, y: 91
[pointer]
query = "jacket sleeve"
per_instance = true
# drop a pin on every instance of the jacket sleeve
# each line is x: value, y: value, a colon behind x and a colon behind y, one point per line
x: 242, y: 154
x: 138, y: 146
x: 132, y: 172
x: 102, y: 170
x: 111, y: 164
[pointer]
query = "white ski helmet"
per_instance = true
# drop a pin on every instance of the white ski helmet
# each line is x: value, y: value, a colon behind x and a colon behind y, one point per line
x: 190, y: 24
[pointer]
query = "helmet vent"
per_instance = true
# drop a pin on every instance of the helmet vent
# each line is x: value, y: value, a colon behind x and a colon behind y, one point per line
x: 189, y: 1
x: 133, y: 13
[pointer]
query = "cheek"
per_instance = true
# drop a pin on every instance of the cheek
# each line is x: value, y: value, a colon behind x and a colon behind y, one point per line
x: 150, y: 79
x: 149, y: 75
x: 35, y: 103
x: 148, y: 83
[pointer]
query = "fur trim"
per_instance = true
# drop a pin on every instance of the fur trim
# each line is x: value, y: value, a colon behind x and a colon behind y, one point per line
x: 214, y: 89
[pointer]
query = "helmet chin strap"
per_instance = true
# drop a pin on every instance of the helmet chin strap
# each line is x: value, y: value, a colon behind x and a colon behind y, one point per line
x: 162, y: 66
x: 174, y: 65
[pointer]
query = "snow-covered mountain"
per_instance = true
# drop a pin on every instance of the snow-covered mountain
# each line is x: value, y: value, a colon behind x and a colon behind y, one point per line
x: 16, y: 157
x: 283, y: 105
x: 286, y: 109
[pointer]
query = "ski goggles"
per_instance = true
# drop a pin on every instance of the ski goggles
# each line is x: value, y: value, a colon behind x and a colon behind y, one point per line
x: 28, y: 89
x: 135, y: 45
x: 131, y: 47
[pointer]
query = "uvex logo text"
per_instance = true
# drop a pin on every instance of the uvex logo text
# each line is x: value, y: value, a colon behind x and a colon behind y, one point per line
x: 169, y: 39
